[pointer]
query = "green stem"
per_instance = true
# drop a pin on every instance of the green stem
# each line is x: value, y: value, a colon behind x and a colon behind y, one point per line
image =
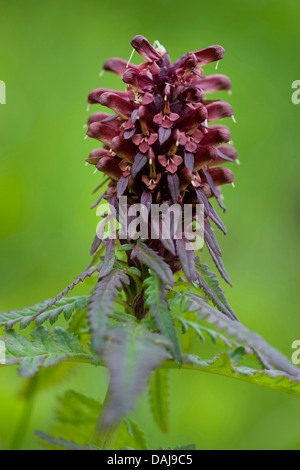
x: 104, y: 437
x: 23, y: 424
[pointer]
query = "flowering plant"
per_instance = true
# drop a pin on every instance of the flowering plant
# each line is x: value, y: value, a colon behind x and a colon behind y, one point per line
x: 153, y: 296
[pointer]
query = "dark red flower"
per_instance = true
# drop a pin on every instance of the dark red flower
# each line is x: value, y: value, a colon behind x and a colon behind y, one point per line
x: 158, y: 145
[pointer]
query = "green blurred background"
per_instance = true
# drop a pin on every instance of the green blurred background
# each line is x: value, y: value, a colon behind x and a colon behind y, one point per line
x: 50, y: 54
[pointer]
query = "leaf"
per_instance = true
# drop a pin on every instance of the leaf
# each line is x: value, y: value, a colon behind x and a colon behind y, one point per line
x: 131, y: 356
x: 77, y: 414
x: 156, y: 301
x: 210, y: 285
x: 187, y: 260
x: 204, y: 332
x: 126, y: 247
x: 222, y: 365
x: 139, y: 162
x: 220, y: 266
x: 189, y: 160
x: 202, y: 199
x: 39, y: 312
x: 67, y: 445
x: 47, y: 348
x: 109, y: 259
x: 159, y: 399
x: 242, y: 334
x: 174, y: 186
x: 211, y: 240
x: 163, y: 135
x: 158, y: 227
x: 184, y: 447
x: 122, y: 185
x: 216, y: 219
x: 102, y: 304
x: 155, y: 262
x: 130, y: 435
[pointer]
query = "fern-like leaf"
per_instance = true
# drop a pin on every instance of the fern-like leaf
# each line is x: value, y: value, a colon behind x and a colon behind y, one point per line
x: 109, y: 259
x: 155, y: 262
x: 242, y: 334
x: 46, y: 348
x: 63, y: 444
x: 156, y: 301
x: 211, y: 287
x: 75, y: 418
x: 131, y: 356
x: 102, y: 305
x: 159, y: 399
x: 224, y: 365
x: 66, y: 306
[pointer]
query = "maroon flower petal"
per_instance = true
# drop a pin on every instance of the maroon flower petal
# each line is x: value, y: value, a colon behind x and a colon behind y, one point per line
x: 97, y: 117
x: 185, y: 177
x: 163, y: 160
x: 96, y: 154
x: 95, y: 95
x: 191, y: 146
x: 218, y: 110
x: 177, y: 159
x: 228, y: 151
x: 110, y: 166
x: 123, y: 148
x: 210, y: 54
x: 166, y: 123
x: 215, y: 83
x: 141, y: 82
x: 144, y: 48
x: 192, y: 120
x: 152, y: 139
x: 137, y: 138
x: 216, y: 135
x: 158, y: 118
x: 171, y: 167
x: 117, y: 66
x: 119, y: 105
x: 173, y: 117
x: 103, y: 132
x: 203, y: 156
x: 147, y: 98
x: 221, y: 176
x: 144, y: 146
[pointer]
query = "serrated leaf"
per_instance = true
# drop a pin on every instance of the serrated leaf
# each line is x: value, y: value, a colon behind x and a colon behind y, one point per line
x: 211, y: 287
x: 77, y: 414
x: 131, y: 436
x: 67, y: 445
x: 102, y: 305
x: 42, y: 312
x: 183, y: 447
x: 109, y: 259
x: 220, y: 266
x: 206, y: 333
x: 159, y: 398
x: 126, y: 247
x: 131, y: 356
x: 234, y: 328
x: 47, y: 348
x: 155, y: 262
x: 156, y: 301
x: 187, y: 260
x: 222, y: 365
